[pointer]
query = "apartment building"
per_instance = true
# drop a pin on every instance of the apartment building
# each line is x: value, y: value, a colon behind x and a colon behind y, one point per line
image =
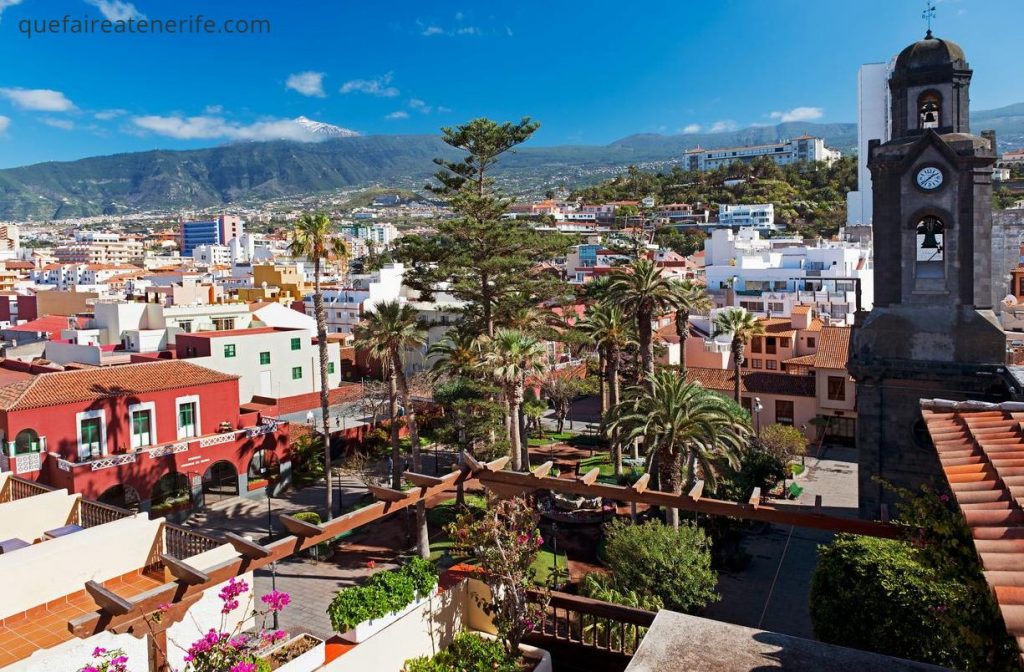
x: 345, y: 306
x: 759, y: 216
x: 93, y: 247
x: 208, y: 232
x: 66, y: 276
x: 803, y: 148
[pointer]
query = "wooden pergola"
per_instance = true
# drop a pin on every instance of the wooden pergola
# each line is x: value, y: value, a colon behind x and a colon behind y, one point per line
x: 172, y: 600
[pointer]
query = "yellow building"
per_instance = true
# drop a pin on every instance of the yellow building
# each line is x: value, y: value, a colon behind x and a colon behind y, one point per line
x: 274, y: 282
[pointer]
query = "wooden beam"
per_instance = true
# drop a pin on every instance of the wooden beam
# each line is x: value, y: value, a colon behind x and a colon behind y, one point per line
x: 755, y: 498
x: 183, y: 571
x: 641, y: 483
x: 590, y: 477
x: 498, y: 464
x: 300, y: 528
x: 471, y: 462
x: 697, y: 490
x: 422, y: 480
x: 781, y: 514
x: 108, y: 600
x: 389, y: 494
x: 543, y: 470
x: 247, y: 548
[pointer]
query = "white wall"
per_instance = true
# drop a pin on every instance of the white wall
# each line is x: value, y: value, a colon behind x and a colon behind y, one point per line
x: 28, y: 518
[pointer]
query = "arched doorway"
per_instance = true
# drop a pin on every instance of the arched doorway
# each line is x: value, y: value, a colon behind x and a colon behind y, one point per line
x: 170, y: 493
x: 220, y: 482
x: 121, y: 495
x: 264, y: 469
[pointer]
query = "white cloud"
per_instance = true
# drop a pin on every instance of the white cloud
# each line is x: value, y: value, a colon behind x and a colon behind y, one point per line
x: 427, y: 32
x: 467, y: 30
x: 5, y: 123
x: 400, y: 114
x: 213, y: 109
x: 722, y: 126
x: 107, y: 115
x: 799, y: 114
x: 210, y: 127
x: 117, y: 10
x: 40, y: 100
x: 307, y: 83
x: 691, y: 128
x: 379, y: 86
x: 62, y: 124
x: 4, y: 4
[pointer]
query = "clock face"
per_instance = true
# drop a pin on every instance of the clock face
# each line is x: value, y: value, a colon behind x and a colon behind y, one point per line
x: 929, y: 178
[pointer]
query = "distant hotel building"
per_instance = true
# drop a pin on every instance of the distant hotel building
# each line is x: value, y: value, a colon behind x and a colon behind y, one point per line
x: 218, y: 231
x: 760, y: 216
x: 872, y: 123
x: 804, y: 148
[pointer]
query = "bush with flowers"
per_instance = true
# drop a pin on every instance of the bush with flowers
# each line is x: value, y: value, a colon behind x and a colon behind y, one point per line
x: 221, y: 649
x: 505, y: 542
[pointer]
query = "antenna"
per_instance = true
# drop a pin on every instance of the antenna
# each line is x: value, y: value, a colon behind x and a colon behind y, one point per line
x: 928, y: 14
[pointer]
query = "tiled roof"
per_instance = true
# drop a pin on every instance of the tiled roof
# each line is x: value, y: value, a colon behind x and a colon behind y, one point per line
x: 981, y: 449
x: 252, y: 331
x: 755, y: 382
x: 833, y: 348
x: 801, y: 310
x: 68, y: 387
x: 777, y: 325
x: 805, y: 360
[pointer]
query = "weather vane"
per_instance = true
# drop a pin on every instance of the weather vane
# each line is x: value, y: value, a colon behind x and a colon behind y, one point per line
x: 928, y: 14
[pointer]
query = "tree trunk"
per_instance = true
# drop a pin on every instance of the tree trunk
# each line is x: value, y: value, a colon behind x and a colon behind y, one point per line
x: 602, y: 379
x: 670, y: 482
x: 613, y: 401
x: 737, y: 361
x: 486, y: 305
x: 524, y: 436
x: 325, y: 404
x: 683, y: 331
x: 396, y: 445
x: 513, y: 434
x: 643, y: 328
x: 422, y: 534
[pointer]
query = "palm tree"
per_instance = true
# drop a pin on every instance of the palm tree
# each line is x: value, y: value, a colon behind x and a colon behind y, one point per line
x: 692, y: 298
x: 311, y: 238
x: 677, y: 418
x: 642, y: 287
x: 456, y: 355
x: 607, y: 325
x: 386, y: 333
x: 510, y: 357
x: 743, y: 326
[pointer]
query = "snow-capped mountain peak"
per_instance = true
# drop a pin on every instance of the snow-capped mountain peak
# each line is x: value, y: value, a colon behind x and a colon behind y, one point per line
x: 324, y: 129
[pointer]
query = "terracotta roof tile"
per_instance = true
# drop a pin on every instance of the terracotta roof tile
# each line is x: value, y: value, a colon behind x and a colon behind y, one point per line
x: 833, y: 348
x: 755, y: 382
x: 68, y: 387
x: 981, y: 450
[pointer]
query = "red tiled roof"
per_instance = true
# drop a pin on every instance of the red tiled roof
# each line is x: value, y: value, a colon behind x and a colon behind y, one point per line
x: 805, y: 360
x: 777, y: 325
x: 68, y: 387
x: 981, y: 449
x: 50, y: 324
x: 833, y: 348
x: 755, y: 382
x: 253, y: 331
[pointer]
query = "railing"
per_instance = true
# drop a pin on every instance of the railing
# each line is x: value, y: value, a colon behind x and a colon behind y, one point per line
x: 18, y: 488
x: 91, y: 514
x: 181, y: 542
x: 602, y: 626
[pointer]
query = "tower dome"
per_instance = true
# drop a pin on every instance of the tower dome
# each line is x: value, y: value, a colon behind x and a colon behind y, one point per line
x: 931, y: 52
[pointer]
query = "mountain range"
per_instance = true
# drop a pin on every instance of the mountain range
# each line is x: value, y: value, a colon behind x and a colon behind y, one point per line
x: 253, y: 171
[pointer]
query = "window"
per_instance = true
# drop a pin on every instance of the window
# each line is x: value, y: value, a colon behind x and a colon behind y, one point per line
x: 229, y: 350
x: 771, y: 364
x: 810, y: 342
x: 187, y: 420
x: 784, y: 342
x: 264, y: 358
x: 784, y: 412
x: 930, y: 240
x: 777, y: 306
x: 755, y: 363
x: 27, y: 441
x: 91, y: 443
x: 296, y: 343
x: 769, y: 345
x: 185, y: 326
x: 755, y: 344
x: 142, y: 428
x: 223, y: 323
x: 836, y: 388
x: 929, y: 105
x: 296, y: 373
x: 330, y: 367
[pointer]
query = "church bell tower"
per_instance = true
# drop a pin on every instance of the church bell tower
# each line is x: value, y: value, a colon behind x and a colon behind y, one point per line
x: 932, y: 332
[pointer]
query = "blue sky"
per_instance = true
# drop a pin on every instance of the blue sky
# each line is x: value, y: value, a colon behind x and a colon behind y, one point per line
x: 591, y: 72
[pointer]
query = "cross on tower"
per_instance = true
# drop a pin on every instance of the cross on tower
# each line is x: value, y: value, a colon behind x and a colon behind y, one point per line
x: 928, y: 14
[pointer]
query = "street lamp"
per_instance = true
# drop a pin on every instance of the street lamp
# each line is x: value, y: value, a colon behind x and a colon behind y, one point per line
x: 757, y: 414
x: 265, y: 473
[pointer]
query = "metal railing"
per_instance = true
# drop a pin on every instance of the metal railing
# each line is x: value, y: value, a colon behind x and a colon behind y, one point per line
x: 181, y: 542
x: 91, y: 514
x: 602, y: 626
x: 19, y: 488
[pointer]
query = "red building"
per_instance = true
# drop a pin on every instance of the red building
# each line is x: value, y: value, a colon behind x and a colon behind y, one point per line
x: 160, y: 434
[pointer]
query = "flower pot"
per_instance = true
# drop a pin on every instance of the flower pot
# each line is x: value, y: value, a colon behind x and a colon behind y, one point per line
x: 368, y: 629
x: 305, y: 662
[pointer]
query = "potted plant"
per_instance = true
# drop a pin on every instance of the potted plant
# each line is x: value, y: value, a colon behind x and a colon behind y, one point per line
x: 360, y: 612
x: 302, y: 653
x: 476, y: 651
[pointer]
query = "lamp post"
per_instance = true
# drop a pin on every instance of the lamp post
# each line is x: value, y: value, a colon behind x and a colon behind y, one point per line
x: 757, y: 414
x: 554, y: 554
x: 265, y: 473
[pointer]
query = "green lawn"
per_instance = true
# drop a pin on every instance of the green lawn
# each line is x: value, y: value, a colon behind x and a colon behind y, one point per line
x: 543, y: 566
x: 602, y: 461
x: 445, y: 512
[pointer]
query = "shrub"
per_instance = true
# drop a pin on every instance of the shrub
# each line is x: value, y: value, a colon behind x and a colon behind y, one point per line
x: 655, y: 559
x: 468, y: 652
x: 308, y: 458
x: 382, y: 594
x: 783, y: 441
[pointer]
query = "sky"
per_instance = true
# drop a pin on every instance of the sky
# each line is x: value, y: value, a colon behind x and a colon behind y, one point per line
x: 590, y: 71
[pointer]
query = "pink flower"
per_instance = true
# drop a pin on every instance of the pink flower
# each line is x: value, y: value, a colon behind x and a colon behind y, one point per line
x: 540, y: 540
x: 98, y: 651
x: 371, y: 564
x: 163, y: 606
x: 276, y: 600
x: 244, y: 667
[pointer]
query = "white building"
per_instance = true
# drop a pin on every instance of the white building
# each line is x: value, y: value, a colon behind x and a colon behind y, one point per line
x: 344, y: 307
x: 379, y: 233
x: 763, y: 276
x: 212, y: 255
x: 803, y: 148
x: 760, y: 216
x: 872, y: 123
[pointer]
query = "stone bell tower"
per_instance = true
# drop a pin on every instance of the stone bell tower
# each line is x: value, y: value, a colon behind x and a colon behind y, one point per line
x: 932, y: 332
